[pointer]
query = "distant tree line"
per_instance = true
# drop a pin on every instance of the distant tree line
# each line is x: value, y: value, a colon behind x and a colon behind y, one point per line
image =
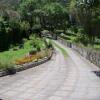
x: 36, y: 15
x: 85, y: 16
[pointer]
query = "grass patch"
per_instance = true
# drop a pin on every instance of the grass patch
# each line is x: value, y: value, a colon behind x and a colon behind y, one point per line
x: 69, y: 37
x: 9, y: 57
x: 62, y: 49
x: 97, y: 47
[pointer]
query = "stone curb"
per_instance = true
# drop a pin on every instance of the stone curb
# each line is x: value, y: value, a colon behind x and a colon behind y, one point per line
x: 28, y: 65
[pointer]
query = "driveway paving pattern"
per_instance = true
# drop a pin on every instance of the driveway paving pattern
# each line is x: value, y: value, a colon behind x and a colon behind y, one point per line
x: 70, y: 78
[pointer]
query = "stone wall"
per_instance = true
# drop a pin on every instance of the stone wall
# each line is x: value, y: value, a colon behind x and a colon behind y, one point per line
x: 90, y: 54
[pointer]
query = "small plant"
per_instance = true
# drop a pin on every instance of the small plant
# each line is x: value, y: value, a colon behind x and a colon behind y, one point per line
x: 50, y: 45
x: 9, y: 68
x: 82, y: 37
x: 32, y: 52
x: 38, y: 48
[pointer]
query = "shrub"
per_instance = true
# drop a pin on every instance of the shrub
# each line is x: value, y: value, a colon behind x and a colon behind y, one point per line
x: 38, y: 48
x: 11, y: 70
x: 32, y: 52
x: 50, y: 45
x: 24, y: 28
x: 8, y: 67
x: 82, y: 38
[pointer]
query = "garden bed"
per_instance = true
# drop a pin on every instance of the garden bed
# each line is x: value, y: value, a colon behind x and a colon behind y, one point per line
x: 32, y: 50
x: 24, y: 66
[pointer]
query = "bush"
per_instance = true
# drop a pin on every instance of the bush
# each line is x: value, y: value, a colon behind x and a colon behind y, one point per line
x: 4, y: 37
x: 38, y: 48
x: 8, y: 67
x: 50, y: 45
x: 32, y: 52
x: 82, y: 38
x: 24, y: 28
x: 11, y: 70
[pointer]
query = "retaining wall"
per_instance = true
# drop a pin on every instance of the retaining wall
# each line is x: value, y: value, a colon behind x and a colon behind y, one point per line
x: 90, y: 54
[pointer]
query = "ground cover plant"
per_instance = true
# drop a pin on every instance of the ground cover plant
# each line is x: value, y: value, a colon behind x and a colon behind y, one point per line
x: 8, y: 58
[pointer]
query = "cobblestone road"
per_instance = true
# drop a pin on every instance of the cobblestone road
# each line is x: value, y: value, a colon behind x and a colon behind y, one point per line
x: 58, y: 79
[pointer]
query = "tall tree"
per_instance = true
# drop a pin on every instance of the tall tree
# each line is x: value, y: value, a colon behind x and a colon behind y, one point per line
x: 86, y: 14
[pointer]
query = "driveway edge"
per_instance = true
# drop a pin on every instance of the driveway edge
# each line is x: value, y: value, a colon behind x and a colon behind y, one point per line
x: 19, y: 68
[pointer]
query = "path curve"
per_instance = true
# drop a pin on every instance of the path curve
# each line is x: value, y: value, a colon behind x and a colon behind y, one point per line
x: 58, y: 79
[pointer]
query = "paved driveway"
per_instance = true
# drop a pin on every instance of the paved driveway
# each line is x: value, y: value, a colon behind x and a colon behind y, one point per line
x: 58, y: 79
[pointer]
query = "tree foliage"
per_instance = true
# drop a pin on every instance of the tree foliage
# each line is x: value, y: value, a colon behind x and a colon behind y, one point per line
x: 36, y: 15
x: 86, y: 14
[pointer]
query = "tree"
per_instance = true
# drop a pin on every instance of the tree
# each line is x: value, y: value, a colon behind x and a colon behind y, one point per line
x: 85, y: 13
x: 27, y: 10
x: 24, y: 29
x: 55, y: 16
x: 4, y: 34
